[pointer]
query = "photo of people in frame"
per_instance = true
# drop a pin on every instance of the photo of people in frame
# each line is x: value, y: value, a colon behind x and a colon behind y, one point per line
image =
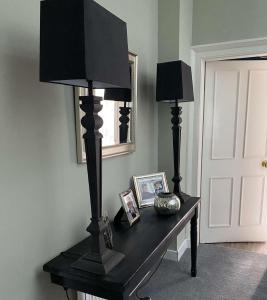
x: 148, y: 187
x: 130, y: 206
x: 146, y: 192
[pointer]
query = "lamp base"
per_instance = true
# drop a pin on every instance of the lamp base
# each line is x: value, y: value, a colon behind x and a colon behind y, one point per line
x: 96, y: 256
x: 101, y: 265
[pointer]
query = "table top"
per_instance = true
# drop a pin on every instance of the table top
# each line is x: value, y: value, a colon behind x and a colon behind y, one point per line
x: 152, y: 234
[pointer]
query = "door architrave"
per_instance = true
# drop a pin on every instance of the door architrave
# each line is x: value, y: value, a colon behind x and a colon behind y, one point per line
x: 200, y: 55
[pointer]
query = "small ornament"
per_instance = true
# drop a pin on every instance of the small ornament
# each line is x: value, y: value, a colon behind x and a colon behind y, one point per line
x: 167, y: 204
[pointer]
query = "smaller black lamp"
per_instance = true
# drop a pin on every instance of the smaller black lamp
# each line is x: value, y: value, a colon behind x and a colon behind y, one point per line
x: 123, y: 95
x: 174, y: 85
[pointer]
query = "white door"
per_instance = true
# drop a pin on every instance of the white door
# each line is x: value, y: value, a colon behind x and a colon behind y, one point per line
x: 234, y: 188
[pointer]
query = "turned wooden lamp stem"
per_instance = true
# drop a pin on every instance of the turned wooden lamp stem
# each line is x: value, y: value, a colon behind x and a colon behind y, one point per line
x: 93, y: 148
x: 176, y: 120
x: 99, y: 259
x: 124, y: 121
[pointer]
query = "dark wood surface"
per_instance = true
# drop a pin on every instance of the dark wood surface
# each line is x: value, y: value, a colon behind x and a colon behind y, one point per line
x: 143, y: 245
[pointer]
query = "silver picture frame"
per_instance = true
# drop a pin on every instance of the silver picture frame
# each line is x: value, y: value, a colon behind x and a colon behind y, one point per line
x: 130, y: 206
x: 148, y: 186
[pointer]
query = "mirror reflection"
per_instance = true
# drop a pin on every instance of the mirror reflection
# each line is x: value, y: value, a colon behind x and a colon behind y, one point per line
x: 117, y: 124
x: 119, y: 115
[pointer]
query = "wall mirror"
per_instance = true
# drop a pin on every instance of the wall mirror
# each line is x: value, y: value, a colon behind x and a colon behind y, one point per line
x: 112, y: 143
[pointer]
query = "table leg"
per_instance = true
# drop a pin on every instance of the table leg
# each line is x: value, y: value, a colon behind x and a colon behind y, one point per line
x: 194, y: 244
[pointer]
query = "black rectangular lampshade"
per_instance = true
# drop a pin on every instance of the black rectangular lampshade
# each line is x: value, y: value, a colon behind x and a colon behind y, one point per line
x: 174, y: 82
x: 124, y: 95
x: 81, y: 41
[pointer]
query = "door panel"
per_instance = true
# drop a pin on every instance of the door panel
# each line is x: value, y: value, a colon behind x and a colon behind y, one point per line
x: 220, y: 210
x: 234, y: 203
x: 256, y: 144
x: 226, y: 89
x: 252, y: 192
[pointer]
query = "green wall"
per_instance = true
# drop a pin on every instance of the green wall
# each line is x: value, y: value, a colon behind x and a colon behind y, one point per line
x: 44, y: 205
x: 228, y: 20
x: 168, y: 29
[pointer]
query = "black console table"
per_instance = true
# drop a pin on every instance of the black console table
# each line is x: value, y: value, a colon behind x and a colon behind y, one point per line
x: 143, y: 246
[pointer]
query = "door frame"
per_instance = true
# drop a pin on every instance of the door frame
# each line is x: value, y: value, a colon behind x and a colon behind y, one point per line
x: 201, y: 54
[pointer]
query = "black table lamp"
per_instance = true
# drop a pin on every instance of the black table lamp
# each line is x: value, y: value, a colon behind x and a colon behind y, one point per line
x: 174, y: 85
x: 123, y: 95
x: 82, y: 44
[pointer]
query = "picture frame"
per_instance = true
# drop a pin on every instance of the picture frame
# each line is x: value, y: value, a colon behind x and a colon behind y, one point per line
x: 130, y: 207
x: 115, y: 149
x: 148, y: 186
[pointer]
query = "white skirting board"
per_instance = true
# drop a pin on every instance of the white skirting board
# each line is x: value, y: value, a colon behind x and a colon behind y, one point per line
x: 170, y: 255
x: 82, y: 296
x: 185, y: 245
x: 176, y: 255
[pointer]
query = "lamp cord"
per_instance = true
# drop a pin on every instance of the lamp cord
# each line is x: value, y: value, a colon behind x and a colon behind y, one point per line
x: 147, y: 281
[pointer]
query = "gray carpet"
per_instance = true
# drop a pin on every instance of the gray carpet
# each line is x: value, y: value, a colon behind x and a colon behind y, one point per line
x: 223, y: 273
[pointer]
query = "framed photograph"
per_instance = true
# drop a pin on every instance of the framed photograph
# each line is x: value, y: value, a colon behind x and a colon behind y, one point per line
x: 130, y: 206
x: 148, y: 186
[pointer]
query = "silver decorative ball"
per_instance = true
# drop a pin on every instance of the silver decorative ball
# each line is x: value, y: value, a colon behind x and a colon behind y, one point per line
x: 167, y: 204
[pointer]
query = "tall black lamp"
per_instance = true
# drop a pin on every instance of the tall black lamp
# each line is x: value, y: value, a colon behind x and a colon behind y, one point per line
x: 124, y: 95
x: 174, y: 85
x: 82, y: 44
